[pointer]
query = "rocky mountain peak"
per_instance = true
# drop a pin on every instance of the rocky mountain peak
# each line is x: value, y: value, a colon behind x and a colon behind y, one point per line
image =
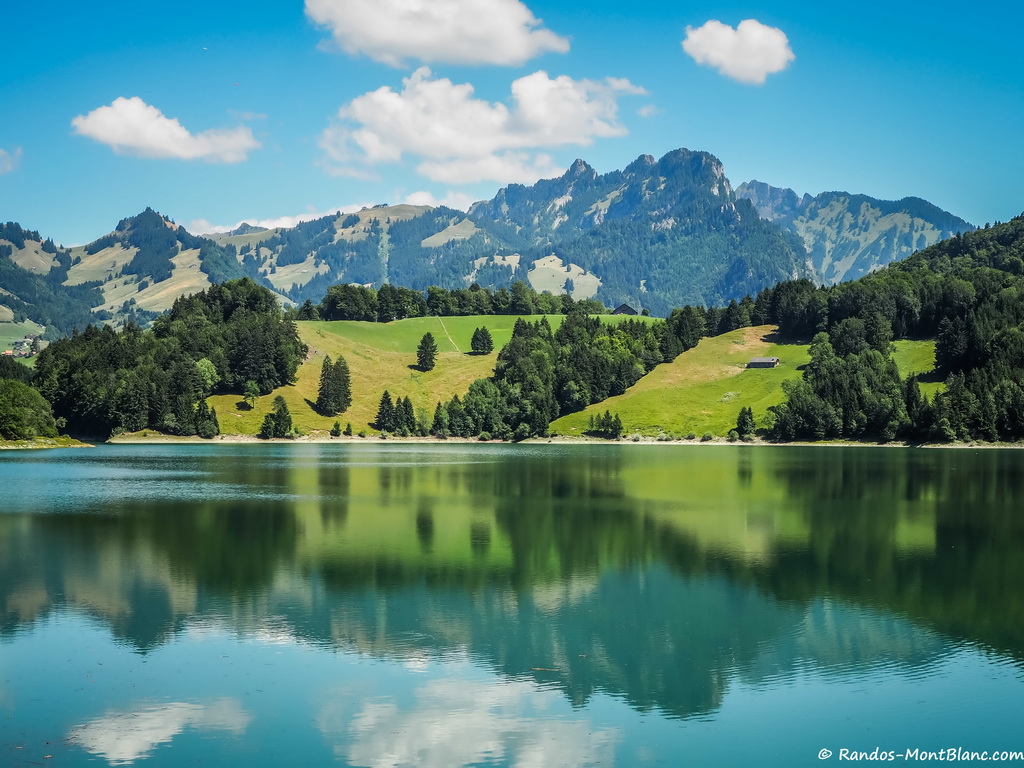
x: 579, y: 168
x: 772, y: 203
x: 642, y: 165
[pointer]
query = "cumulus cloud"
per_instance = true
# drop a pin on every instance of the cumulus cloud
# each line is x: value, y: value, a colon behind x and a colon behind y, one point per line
x: 122, y: 738
x: 206, y: 227
x: 748, y: 53
x: 460, y: 139
x: 9, y: 160
x: 453, y: 31
x: 133, y: 127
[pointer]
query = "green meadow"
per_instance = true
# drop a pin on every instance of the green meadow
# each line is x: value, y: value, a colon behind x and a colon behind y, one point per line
x: 380, y: 356
x: 919, y: 357
x: 701, y: 391
x: 11, y: 332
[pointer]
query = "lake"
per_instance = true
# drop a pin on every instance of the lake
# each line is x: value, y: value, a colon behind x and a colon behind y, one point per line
x: 393, y: 604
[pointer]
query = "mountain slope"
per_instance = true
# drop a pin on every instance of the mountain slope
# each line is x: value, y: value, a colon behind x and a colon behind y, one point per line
x: 32, y: 273
x: 847, y: 236
x: 148, y: 261
x: 658, y: 234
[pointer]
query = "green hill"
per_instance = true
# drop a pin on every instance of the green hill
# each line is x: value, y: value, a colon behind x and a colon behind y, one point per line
x: 704, y: 388
x: 379, y: 356
x: 701, y: 391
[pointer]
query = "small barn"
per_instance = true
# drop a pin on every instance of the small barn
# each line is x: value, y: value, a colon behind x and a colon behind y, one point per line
x: 763, y: 362
x: 624, y: 309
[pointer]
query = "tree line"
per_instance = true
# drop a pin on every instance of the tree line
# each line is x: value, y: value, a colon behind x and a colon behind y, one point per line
x: 392, y: 302
x: 228, y: 338
x: 966, y: 292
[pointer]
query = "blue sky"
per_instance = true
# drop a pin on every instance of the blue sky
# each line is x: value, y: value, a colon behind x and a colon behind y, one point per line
x: 218, y: 112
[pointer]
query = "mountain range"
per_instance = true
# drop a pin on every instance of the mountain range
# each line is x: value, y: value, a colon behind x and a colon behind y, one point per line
x: 656, y: 235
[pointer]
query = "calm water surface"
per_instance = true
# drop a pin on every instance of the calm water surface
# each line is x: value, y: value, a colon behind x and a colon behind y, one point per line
x: 408, y: 605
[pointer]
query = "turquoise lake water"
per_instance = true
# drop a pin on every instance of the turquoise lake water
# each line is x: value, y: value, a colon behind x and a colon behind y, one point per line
x: 456, y: 605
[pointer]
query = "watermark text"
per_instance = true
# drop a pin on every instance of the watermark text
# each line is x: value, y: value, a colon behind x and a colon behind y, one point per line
x: 916, y: 754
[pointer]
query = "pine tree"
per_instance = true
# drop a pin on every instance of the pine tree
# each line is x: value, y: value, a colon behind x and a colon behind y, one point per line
x: 385, y: 420
x: 426, y: 353
x: 745, y: 422
x: 408, y: 415
x: 277, y: 423
x: 342, y: 384
x: 482, y: 343
x: 206, y: 421
x: 326, y: 399
x: 440, y: 425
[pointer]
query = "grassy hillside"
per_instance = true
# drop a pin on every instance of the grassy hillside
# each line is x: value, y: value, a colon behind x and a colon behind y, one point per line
x: 11, y: 332
x: 701, y: 391
x: 704, y: 388
x: 919, y: 357
x: 379, y: 356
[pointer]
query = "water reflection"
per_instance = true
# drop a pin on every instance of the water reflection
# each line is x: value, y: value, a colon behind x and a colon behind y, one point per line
x: 452, y: 722
x: 123, y: 737
x: 655, y: 575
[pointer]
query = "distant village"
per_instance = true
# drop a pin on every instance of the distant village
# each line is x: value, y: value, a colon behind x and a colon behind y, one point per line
x: 30, y: 346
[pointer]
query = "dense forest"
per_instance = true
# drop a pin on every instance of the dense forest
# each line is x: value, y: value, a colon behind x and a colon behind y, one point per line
x: 391, y: 302
x: 101, y: 382
x: 966, y: 292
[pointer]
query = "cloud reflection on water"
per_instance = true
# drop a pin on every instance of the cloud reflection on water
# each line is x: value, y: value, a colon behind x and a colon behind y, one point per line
x: 122, y: 737
x: 457, y: 722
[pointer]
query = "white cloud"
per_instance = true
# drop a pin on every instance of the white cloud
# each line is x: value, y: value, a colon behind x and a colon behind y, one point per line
x: 453, y: 31
x: 9, y: 160
x: 458, y: 201
x: 206, y: 227
x: 455, y: 722
x: 748, y: 53
x: 133, y: 127
x: 648, y: 110
x: 460, y: 139
x: 121, y: 738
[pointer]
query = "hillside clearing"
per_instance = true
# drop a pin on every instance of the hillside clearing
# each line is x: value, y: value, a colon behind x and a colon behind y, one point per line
x: 379, y: 356
x: 704, y: 388
x: 11, y: 332
x: 919, y: 357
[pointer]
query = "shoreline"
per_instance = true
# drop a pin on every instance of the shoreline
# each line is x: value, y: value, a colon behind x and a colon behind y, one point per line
x: 553, y: 440
x: 323, y: 439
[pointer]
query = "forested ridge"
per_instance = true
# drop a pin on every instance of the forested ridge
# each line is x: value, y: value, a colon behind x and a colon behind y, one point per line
x: 966, y: 292
x: 44, y: 298
x: 101, y: 381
